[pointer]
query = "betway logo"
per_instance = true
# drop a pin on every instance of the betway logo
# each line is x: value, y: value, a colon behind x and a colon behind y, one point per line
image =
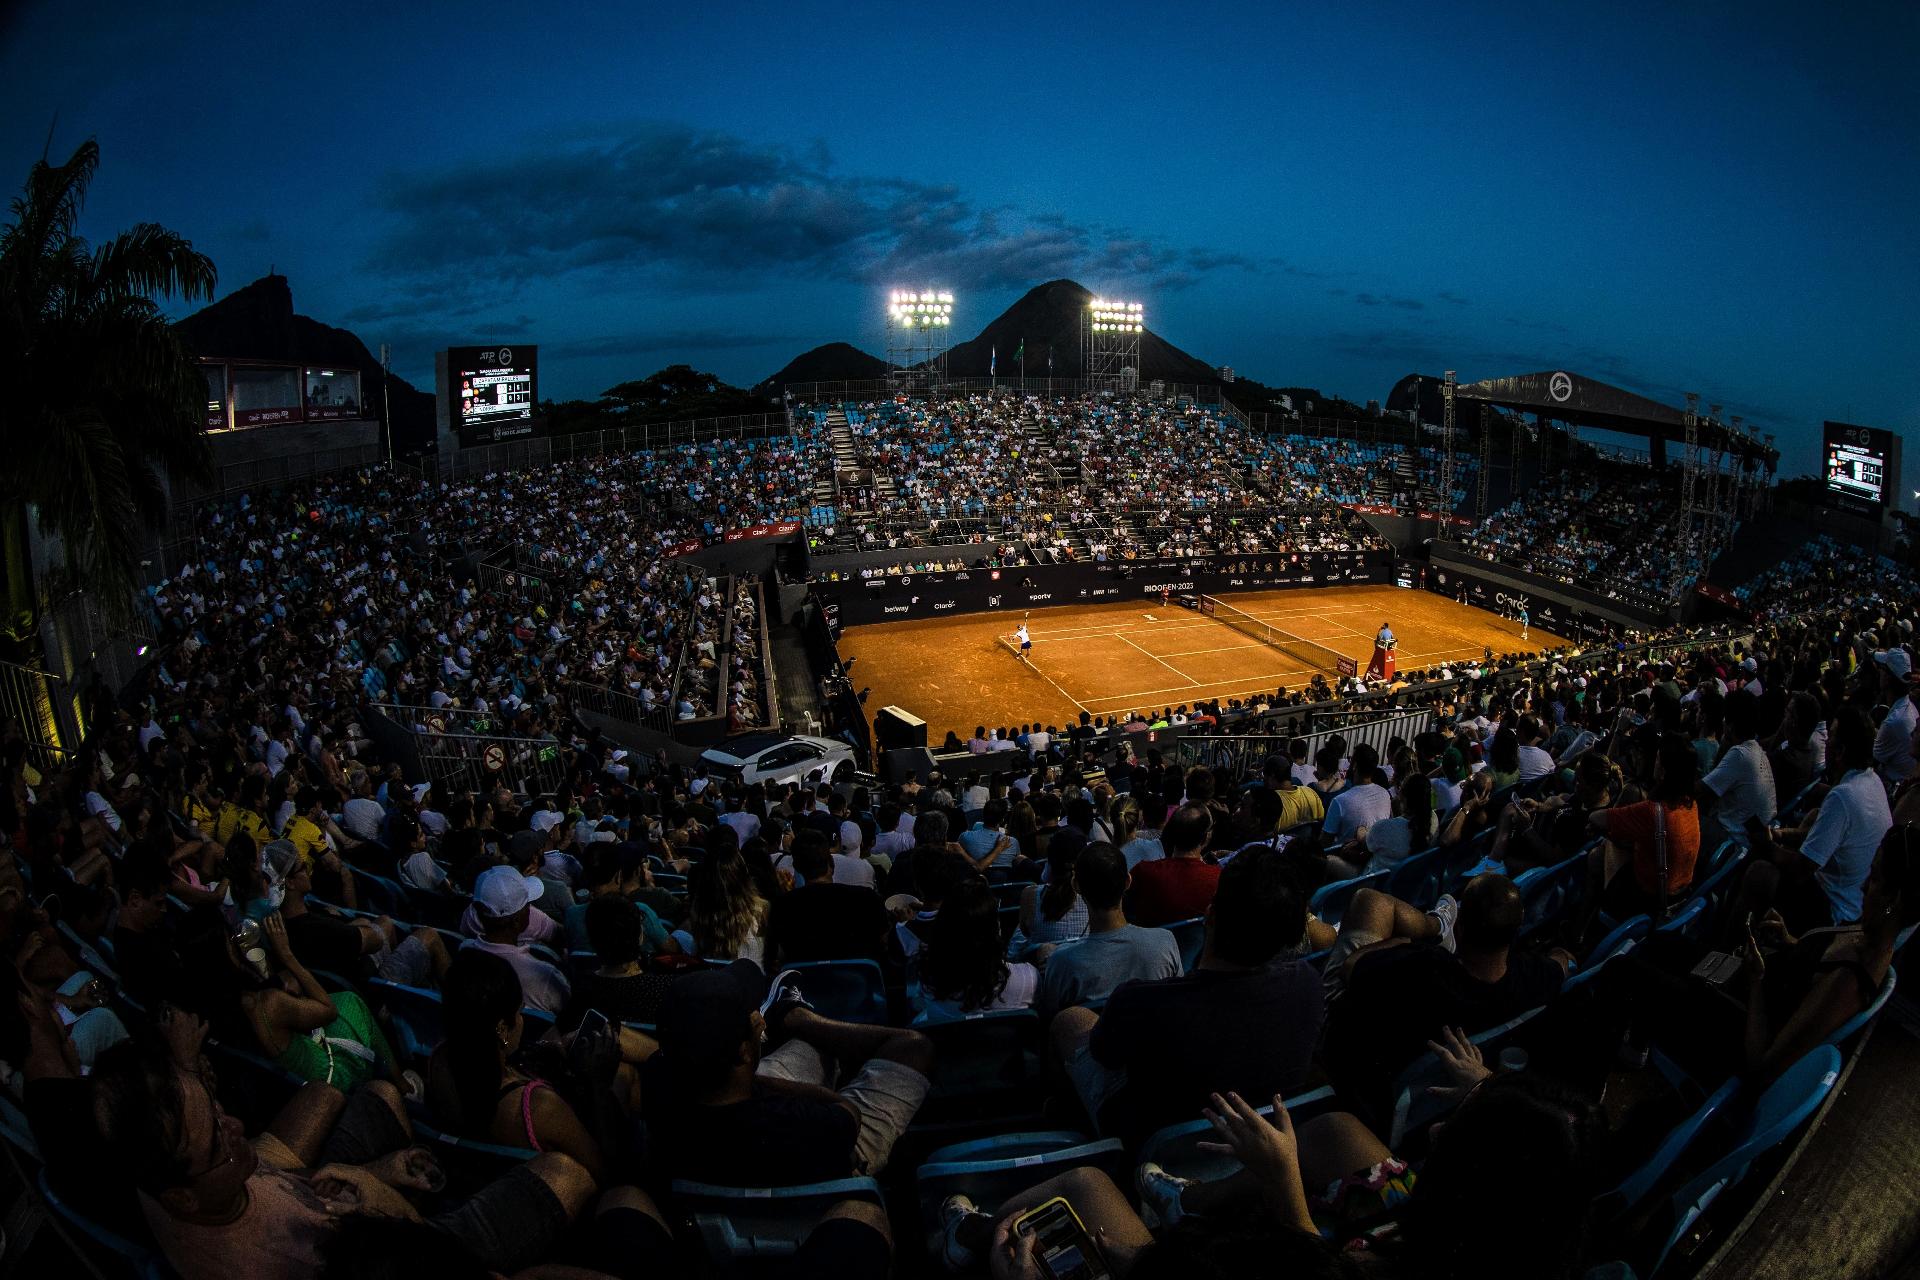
x: 896, y: 608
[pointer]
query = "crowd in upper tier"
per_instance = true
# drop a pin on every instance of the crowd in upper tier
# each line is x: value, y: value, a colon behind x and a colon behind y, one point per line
x: 277, y: 1010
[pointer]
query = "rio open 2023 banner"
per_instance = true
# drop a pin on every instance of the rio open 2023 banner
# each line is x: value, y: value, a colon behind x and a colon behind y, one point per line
x: 903, y: 596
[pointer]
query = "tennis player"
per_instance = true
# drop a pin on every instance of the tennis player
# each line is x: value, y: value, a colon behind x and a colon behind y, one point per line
x: 1026, y: 641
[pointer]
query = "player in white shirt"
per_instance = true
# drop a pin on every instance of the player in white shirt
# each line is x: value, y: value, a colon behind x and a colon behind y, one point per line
x: 1026, y: 642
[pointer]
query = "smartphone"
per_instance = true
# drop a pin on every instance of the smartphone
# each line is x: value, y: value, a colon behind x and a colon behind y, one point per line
x: 1062, y: 1244
x: 592, y: 1023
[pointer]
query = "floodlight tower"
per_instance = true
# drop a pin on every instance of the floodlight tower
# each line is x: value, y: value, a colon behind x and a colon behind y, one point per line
x: 919, y: 331
x: 1110, y: 344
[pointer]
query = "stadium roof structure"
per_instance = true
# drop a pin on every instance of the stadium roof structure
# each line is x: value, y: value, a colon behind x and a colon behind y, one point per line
x: 1572, y: 398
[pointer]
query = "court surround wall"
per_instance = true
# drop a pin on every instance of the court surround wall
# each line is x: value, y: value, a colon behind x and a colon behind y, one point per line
x: 856, y: 602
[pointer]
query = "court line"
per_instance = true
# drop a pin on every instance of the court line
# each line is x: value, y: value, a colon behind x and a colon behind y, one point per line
x: 1163, y: 662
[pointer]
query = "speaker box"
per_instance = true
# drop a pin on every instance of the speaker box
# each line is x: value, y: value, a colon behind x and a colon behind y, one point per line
x: 893, y: 728
x: 898, y: 762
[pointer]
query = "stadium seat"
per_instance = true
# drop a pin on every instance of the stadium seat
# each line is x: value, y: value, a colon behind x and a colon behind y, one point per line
x: 989, y: 1069
x: 419, y: 1021
x: 111, y: 1253
x: 468, y: 1163
x: 1689, y: 920
x: 1632, y: 1190
x: 1329, y: 901
x: 1622, y: 939
x: 1776, y: 1114
x: 990, y: 1171
x: 1176, y: 1148
x: 850, y: 990
x: 742, y: 1223
x: 1413, y: 1107
x: 1191, y: 935
x: 379, y: 895
x: 1550, y: 892
x: 1417, y: 879
x: 1851, y: 1027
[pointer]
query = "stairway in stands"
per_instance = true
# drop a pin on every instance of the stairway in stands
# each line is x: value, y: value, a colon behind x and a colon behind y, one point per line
x: 826, y: 486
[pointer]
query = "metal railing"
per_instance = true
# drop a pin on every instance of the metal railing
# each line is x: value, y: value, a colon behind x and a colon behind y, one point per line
x: 1244, y: 753
x: 47, y: 709
x: 536, y: 451
x: 474, y: 762
x: 617, y: 704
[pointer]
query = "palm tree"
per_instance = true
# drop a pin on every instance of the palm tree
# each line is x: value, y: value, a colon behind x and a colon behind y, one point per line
x: 101, y: 399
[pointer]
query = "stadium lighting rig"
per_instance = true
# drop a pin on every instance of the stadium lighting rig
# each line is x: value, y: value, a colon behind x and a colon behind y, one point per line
x: 1110, y: 343
x: 919, y: 324
x: 1107, y: 316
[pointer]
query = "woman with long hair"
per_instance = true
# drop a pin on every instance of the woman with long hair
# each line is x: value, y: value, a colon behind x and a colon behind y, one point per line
x: 1660, y: 833
x: 963, y: 966
x: 726, y: 914
x: 1053, y: 912
x: 1503, y: 759
x: 482, y: 1085
x: 1136, y: 842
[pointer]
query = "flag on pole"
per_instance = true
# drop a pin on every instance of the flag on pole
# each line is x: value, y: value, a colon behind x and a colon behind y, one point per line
x: 993, y: 361
x: 1021, y: 353
x: 1049, y: 359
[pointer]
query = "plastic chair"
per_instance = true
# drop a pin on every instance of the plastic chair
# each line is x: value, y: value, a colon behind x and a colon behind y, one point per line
x: 763, y: 1222
x: 849, y: 990
x: 987, y: 1062
x: 1689, y: 921
x: 1624, y: 938
x: 379, y: 895
x: 1415, y: 1108
x: 1176, y: 1148
x: 1778, y: 1112
x: 1851, y: 1027
x: 112, y: 1252
x: 1417, y: 879
x: 1548, y: 892
x: 1191, y: 935
x: 1329, y: 901
x: 1638, y: 1185
x: 992, y: 1170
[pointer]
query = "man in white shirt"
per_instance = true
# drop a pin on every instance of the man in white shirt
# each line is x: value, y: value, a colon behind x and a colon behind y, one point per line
x: 1743, y: 780
x: 1360, y: 805
x: 502, y: 899
x: 1893, y: 744
x: 1038, y: 741
x: 848, y: 866
x: 1814, y: 876
x: 1535, y: 762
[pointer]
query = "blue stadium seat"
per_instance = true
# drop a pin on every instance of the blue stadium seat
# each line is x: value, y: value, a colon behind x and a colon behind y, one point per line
x: 1329, y: 901
x: 990, y: 1171
x: 1689, y: 920
x: 741, y: 1223
x: 110, y: 1252
x: 379, y: 895
x: 1550, y: 892
x: 1787, y: 1104
x: 850, y: 990
x: 986, y: 1061
x: 468, y: 1163
x: 1623, y: 938
x: 1848, y: 1029
x: 1191, y: 935
x: 1176, y: 1148
x: 1632, y: 1190
x: 1417, y: 879
x: 1413, y: 1107
x: 419, y: 1021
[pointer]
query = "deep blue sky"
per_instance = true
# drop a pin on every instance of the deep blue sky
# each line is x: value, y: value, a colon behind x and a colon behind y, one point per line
x: 1335, y: 195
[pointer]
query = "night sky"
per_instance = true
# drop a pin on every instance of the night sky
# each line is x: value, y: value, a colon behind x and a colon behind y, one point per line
x: 1336, y: 195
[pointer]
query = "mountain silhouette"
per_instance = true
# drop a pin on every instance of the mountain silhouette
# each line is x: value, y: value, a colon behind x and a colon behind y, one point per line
x: 1050, y: 317
x: 830, y: 362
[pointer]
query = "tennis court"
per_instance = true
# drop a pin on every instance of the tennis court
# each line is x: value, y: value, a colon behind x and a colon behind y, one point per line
x: 1110, y: 658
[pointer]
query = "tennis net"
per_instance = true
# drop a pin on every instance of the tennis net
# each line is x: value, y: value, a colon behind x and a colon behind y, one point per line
x: 1298, y: 647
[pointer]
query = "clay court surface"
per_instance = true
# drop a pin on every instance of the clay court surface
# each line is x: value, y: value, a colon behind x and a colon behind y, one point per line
x: 959, y: 672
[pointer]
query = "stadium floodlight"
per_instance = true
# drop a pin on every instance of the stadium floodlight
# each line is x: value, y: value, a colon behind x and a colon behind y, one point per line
x: 1110, y: 316
x: 920, y: 308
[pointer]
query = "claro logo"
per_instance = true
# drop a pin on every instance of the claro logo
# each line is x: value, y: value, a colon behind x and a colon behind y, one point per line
x: 1512, y: 602
x: 940, y: 605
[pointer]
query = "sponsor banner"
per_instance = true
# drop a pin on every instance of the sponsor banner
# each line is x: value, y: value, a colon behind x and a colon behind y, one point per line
x: 1372, y: 509
x: 1720, y: 596
x: 773, y: 529
x: 1509, y: 600
x: 261, y: 417
x: 925, y: 595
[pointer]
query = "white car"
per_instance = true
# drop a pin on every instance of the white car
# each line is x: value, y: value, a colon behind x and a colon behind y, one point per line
x: 778, y: 759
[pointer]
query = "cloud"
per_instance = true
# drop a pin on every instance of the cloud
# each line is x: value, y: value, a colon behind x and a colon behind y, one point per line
x: 252, y: 231
x: 675, y: 208
x: 1389, y: 300
x: 1448, y: 295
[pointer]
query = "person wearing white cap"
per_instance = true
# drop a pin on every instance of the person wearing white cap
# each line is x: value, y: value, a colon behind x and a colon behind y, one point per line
x: 848, y: 866
x: 1893, y: 743
x: 502, y: 898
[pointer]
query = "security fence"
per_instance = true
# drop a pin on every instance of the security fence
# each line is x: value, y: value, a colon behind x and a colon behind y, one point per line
x: 47, y: 709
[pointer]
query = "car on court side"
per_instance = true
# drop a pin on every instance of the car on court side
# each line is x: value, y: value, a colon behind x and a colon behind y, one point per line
x: 779, y: 758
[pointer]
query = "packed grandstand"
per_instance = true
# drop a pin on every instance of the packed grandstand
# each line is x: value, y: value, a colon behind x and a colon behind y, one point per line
x: 1401, y: 987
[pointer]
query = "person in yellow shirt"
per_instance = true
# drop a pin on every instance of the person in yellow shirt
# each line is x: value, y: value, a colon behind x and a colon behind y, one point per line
x: 246, y: 813
x: 197, y: 805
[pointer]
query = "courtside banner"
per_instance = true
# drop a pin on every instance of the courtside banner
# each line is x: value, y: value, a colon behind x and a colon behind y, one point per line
x: 898, y: 597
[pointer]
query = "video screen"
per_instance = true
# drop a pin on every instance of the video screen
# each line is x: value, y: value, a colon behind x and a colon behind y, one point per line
x: 492, y: 390
x: 1856, y: 464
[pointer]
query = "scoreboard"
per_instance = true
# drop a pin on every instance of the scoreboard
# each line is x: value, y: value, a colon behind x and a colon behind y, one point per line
x: 1861, y: 466
x: 491, y: 392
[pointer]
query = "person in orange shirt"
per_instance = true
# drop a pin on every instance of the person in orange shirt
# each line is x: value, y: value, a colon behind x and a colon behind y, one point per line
x: 1640, y: 838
